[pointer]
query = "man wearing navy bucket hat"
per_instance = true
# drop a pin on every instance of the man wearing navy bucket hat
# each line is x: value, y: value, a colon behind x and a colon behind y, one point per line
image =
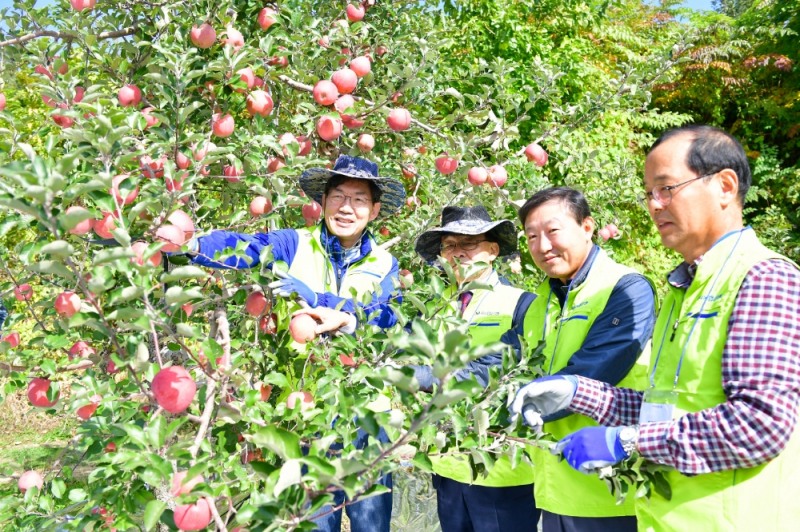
x: 326, y: 264
x: 503, y: 500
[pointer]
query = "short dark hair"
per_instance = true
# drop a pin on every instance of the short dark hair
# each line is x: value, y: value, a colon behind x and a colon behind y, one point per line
x: 712, y: 150
x: 574, y: 200
x: 338, y: 179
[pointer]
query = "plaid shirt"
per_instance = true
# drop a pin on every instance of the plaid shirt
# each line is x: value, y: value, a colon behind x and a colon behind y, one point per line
x: 760, y: 376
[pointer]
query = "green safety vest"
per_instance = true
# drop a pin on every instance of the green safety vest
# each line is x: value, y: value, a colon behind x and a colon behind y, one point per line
x: 490, y: 314
x: 694, y: 321
x: 559, y: 488
x: 312, y: 265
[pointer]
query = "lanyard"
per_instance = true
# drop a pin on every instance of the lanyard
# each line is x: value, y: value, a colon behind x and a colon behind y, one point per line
x: 696, y: 318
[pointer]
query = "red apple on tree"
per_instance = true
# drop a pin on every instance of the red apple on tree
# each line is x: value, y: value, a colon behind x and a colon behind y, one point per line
x: 88, y: 410
x: 67, y: 304
x: 345, y: 80
x: 365, y: 142
x: 303, y: 398
x: 325, y: 92
x: 85, y: 225
x: 172, y: 236
x: 29, y: 479
x: 260, y: 205
x: 181, y: 486
x: 37, y: 393
x: 399, y: 119
x: 150, y: 120
x: 182, y: 161
x: 129, y: 96
x: 116, y: 181
x: 80, y: 5
x: 536, y: 154
x: 232, y: 173
x: 305, y: 145
x: 406, y: 279
x: 139, y: 249
x: 446, y: 164
x: 260, y: 103
x: 23, y: 292
x: 195, y: 516
x: 233, y: 37
x: 222, y: 125
x: 203, y: 36
x: 174, y: 389
x: 81, y: 349
x: 497, y: 175
x: 311, y: 212
x: 257, y: 304
x: 105, y: 225
x: 477, y: 175
x: 2, y: 102
x: 329, y: 128
x: 266, y: 18
x: 12, y: 339
x: 303, y: 328
x: 274, y: 164
x: 361, y: 66
x: 182, y: 220
x: 355, y: 13
x: 343, y: 103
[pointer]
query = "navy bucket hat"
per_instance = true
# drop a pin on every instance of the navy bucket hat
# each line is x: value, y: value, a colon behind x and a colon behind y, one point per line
x: 393, y: 193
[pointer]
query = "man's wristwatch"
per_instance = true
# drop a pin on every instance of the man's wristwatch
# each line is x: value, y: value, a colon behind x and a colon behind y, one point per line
x: 627, y: 438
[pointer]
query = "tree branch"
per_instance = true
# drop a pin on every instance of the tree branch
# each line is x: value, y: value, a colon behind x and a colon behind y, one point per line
x: 66, y: 36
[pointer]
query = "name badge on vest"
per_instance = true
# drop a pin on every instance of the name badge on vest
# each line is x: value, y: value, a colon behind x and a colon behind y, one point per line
x: 658, y: 405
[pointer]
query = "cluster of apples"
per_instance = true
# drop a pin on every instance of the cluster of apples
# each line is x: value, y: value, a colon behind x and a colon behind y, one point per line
x: 496, y: 175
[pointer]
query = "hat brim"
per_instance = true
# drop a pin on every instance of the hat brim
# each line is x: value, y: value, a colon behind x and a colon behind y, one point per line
x: 429, y: 243
x: 393, y: 194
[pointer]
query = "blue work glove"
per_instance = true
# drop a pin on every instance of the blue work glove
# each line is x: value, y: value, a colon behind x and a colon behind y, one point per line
x: 288, y: 285
x: 592, y: 448
x: 543, y: 397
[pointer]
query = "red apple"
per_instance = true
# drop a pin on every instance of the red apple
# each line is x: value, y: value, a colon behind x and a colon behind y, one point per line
x: 406, y: 279
x: 199, y: 153
x: 497, y: 175
x: 150, y: 120
x: 105, y: 225
x: 304, y: 399
x: 345, y: 80
x: 265, y: 391
x: 195, y: 516
x: 174, y: 389
x: 182, y: 161
x: 408, y: 171
x: 266, y: 18
x: 536, y: 154
x: 361, y: 66
x: 184, y: 221
x: 63, y: 121
x: 477, y: 175
x: 67, y: 304
x: 116, y: 181
x: 80, y: 5
x: 139, y: 249
x: 347, y: 360
x: 234, y: 38
x: 204, y: 36
x: 248, y: 76
x: 2, y: 102
x: 12, y: 339
x: 365, y: 142
x: 446, y: 164
x: 384, y: 231
x: 381, y: 50
x: 325, y: 92
x: 274, y: 164
x: 84, y: 226
x: 302, y: 328
x: 81, y: 349
x: 355, y: 13
x: 260, y: 205
x: 268, y: 324
x: 222, y: 125
x: 399, y: 119
x: 352, y: 122
x: 30, y: 479
x: 172, y: 236
x: 129, y: 96
x: 181, y: 486
x: 305, y: 145
x: 152, y: 168
x: 110, y: 447
x: 344, y: 102
x: 312, y: 211
x: 329, y: 128
x: 23, y: 292
x: 232, y: 173
x: 324, y: 41
x: 257, y: 304
x: 88, y: 410
x: 259, y: 103
x: 37, y: 393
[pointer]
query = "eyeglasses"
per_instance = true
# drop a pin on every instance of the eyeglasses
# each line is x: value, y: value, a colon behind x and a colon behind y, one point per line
x: 338, y: 199
x: 663, y: 194
x: 450, y: 247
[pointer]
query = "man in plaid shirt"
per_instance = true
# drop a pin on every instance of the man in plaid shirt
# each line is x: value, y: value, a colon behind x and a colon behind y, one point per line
x: 724, y: 391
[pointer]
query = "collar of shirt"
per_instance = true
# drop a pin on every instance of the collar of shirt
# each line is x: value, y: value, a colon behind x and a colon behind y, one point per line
x: 683, y: 275
x: 340, y: 255
x: 560, y: 289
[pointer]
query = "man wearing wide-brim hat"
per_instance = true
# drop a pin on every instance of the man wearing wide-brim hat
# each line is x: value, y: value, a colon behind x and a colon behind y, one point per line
x: 330, y: 259
x: 326, y: 262
x: 468, y: 238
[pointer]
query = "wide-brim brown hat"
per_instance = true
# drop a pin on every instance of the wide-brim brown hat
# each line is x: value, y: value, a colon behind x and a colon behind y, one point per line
x: 393, y: 194
x: 467, y: 221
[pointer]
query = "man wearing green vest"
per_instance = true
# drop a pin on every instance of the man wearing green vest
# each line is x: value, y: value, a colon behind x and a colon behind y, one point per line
x: 327, y: 264
x: 502, y: 501
x: 724, y: 383
x: 596, y: 317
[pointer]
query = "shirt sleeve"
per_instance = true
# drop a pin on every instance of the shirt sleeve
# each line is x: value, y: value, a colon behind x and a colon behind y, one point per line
x: 760, y: 377
x: 284, y: 246
x: 617, y: 337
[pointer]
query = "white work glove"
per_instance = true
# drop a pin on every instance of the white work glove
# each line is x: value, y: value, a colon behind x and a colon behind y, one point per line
x: 543, y: 397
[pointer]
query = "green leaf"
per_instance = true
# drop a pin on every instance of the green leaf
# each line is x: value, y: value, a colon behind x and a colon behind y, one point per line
x: 280, y: 441
x: 77, y: 495
x: 291, y: 474
x: 58, y: 488
x: 51, y: 267
x: 58, y: 248
x: 184, y: 272
x: 152, y: 513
